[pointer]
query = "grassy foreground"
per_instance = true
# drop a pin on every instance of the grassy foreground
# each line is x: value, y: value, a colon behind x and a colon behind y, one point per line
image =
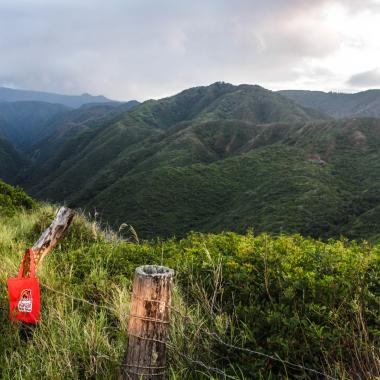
x: 298, y: 300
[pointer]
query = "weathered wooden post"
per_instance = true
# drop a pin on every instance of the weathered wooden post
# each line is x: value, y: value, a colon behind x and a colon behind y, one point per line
x: 51, y: 236
x: 149, y: 323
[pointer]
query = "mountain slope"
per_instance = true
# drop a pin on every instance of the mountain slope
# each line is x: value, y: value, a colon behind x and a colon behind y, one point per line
x: 25, y: 122
x: 11, y: 161
x: 361, y: 104
x: 28, y: 123
x: 186, y: 163
x: 74, y: 101
x: 110, y: 150
x: 223, y: 101
x: 13, y: 199
x: 72, y: 133
x: 318, y: 179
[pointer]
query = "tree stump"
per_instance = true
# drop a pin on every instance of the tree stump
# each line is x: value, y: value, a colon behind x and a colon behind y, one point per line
x: 148, y: 324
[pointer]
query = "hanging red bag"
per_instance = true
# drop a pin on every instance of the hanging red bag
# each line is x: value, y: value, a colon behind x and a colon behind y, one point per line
x: 24, y: 293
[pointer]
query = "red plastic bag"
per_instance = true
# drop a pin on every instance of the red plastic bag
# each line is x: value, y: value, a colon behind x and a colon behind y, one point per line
x: 24, y: 294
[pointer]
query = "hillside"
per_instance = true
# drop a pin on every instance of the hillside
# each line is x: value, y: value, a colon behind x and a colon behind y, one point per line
x: 73, y: 101
x: 27, y: 123
x: 23, y: 123
x: 199, y: 125
x: 339, y: 105
x: 313, y: 307
x: 13, y: 200
x: 11, y: 160
x: 223, y: 101
x: 271, y: 182
x: 189, y: 163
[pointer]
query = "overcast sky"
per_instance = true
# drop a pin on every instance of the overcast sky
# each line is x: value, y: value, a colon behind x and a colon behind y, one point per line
x: 140, y: 49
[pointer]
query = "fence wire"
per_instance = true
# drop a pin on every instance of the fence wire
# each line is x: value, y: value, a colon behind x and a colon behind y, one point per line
x: 213, y: 335
x: 200, y: 328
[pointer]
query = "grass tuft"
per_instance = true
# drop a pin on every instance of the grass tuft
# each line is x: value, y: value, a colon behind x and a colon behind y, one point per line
x: 292, y: 299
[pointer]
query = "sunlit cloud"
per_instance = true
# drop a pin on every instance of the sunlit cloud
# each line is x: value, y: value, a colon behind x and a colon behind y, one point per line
x: 143, y: 49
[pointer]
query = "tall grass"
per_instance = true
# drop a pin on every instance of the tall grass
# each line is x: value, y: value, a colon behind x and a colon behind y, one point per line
x: 297, y: 300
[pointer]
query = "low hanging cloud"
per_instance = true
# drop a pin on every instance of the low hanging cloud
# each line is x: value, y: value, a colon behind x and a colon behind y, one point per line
x: 366, y: 79
x: 128, y: 49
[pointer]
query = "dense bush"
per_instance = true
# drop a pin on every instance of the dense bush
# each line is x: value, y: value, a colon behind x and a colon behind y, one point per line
x: 299, y: 300
x: 13, y: 199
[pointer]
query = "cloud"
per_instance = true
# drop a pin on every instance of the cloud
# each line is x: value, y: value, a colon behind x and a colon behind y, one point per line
x: 144, y: 48
x: 368, y: 78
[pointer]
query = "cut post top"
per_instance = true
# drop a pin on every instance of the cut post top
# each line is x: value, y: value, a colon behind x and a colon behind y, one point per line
x: 154, y: 271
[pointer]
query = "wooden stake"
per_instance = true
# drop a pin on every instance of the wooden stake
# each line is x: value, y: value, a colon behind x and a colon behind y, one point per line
x: 149, y: 323
x: 50, y: 237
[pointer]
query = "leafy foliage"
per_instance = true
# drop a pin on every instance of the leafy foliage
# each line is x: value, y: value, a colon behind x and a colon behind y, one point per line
x: 168, y: 134
x: 317, y: 178
x: 312, y: 303
x: 203, y: 160
x: 13, y: 199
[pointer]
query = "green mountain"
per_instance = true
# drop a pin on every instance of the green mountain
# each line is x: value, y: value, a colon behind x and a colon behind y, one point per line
x: 189, y: 163
x: 340, y: 105
x: 208, y: 159
x: 222, y: 101
x: 110, y: 149
x: 26, y: 123
x: 74, y: 101
x: 214, y: 158
x: 11, y: 161
x: 320, y: 179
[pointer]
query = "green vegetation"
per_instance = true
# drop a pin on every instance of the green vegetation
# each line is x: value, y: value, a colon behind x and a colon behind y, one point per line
x: 259, y: 302
x: 13, y: 199
x: 335, y: 104
x: 211, y: 159
x: 10, y: 160
x: 25, y: 122
x: 312, y: 303
x: 317, y: 178
x: 90, y: 167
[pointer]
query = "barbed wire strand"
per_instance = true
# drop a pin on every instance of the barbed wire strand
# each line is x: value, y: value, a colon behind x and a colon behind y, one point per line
x: 217, y: 338
x: 201, y: 364
x: 77, y: 298
x: 213, y: 335
x: 278, y: 359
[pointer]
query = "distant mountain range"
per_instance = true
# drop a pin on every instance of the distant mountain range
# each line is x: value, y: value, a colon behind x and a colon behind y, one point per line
x: 25, y: 123
x: 340, y: 105
x: 211, y: 158
x: 74, y: 101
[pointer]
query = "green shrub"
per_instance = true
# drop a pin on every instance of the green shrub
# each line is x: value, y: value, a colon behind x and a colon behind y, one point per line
x: 299, y: 300
x: 13, y: 199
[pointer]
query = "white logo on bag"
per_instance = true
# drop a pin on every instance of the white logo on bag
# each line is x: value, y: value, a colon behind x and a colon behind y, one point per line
x: 25, y: 302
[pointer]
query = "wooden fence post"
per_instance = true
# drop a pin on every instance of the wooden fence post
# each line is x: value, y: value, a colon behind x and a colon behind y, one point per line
x: 149, y: 323
x: 51, y: 236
